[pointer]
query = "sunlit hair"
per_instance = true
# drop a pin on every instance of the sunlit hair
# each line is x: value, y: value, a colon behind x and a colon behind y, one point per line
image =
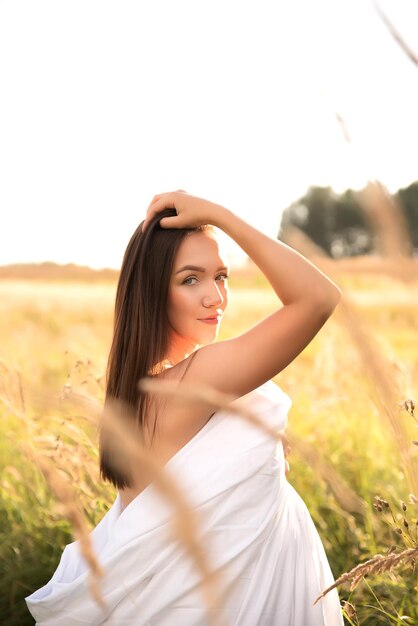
x: 141, y: 327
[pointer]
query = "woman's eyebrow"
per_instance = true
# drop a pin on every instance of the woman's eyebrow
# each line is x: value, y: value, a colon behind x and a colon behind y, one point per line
x: 195, y: 268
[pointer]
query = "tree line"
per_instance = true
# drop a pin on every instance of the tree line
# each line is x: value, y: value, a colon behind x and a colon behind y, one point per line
x: 347, y: 224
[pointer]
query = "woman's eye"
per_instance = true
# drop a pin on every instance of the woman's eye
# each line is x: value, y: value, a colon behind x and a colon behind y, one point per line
x: 224, y: 276
x: 185, y: 282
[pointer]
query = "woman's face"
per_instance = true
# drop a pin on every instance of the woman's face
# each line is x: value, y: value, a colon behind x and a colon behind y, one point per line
x: 198, y: 290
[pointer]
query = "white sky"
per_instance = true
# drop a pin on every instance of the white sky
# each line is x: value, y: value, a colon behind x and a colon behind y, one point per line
x: 105, y: 103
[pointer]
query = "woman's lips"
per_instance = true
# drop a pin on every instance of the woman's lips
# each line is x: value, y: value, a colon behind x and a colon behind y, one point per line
x: 213, y: 320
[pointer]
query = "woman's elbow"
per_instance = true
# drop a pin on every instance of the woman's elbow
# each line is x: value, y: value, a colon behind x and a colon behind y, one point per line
x: 331, y: 301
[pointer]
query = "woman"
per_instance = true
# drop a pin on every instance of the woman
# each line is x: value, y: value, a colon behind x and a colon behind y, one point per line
x: 171, y: 296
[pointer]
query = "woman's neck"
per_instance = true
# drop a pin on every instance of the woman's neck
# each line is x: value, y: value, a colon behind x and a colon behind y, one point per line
x: 179, y: 350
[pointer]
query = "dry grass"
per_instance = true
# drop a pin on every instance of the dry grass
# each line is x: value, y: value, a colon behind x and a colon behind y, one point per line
x: 72, y: 449
x: 71, y: 511
x: 379, y: 564
x: 348, y: 365
x: 383, y: 374
x: 386, y: 391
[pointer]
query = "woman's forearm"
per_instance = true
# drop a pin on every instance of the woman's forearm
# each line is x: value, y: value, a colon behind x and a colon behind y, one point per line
x: 290, y: 274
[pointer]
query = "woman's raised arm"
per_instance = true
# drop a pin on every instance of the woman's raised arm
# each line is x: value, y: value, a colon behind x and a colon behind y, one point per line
x: 239, y: 365
x: 291, y: 275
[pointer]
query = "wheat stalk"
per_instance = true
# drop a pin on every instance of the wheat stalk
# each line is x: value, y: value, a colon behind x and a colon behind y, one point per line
x: 396, y: 35
x: 81, y: 531
x: 386, y: 389
x: 345, y: 495
x: 186, y: 522
x: 343, y: 492
x: 379, y: 564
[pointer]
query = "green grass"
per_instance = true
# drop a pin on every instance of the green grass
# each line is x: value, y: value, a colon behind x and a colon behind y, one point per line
x: 55, y: 334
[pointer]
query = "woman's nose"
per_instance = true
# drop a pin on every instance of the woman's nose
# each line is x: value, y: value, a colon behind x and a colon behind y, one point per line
x: 213, y: 296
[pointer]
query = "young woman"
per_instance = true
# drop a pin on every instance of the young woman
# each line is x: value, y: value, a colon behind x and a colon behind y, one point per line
x: 172, y: 293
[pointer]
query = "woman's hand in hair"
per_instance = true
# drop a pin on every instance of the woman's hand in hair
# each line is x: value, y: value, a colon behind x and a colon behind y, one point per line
x: 191, y: 210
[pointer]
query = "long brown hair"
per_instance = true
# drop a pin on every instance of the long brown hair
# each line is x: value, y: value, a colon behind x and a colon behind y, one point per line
x: 141, y: 328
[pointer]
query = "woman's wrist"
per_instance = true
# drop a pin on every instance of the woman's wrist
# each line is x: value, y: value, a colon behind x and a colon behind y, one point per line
x: 222, y: 218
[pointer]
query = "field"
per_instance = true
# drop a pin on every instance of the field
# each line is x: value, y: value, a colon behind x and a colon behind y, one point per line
x: 349, y: 427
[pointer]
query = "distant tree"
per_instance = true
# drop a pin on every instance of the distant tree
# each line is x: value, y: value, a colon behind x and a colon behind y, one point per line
x: 333, y: 222
x: 408, y: 199
x: 351, y: 234
x: 337, y: 224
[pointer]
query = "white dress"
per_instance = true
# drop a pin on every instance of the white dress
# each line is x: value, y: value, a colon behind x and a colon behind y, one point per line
x: 255, y: 525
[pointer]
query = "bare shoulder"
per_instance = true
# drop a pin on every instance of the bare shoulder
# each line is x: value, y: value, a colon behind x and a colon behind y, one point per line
x: 238, y: 365
x: 177, y: 419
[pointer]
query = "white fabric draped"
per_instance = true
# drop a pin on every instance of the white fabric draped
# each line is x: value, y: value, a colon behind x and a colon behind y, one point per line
x: 254, y: 524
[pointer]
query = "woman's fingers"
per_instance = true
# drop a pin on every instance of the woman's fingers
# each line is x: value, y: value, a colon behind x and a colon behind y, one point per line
x: 164, y: 201
x: 158, y: 203
x: 161, y: 201
x: 191, y: 211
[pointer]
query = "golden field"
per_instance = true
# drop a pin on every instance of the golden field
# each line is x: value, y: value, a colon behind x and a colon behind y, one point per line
x: 351, y: 426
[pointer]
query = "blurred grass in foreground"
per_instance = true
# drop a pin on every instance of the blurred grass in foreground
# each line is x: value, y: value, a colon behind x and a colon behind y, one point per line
x: 57, y: 335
